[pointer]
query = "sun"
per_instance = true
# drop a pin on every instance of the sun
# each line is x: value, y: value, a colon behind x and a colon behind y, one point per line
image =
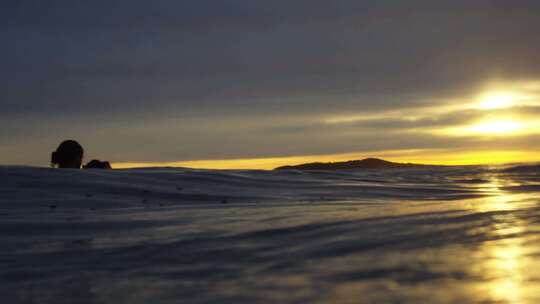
x: 498, y: 100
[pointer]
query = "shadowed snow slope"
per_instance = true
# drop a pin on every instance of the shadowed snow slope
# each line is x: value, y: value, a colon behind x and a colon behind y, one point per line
x: 163, y: 235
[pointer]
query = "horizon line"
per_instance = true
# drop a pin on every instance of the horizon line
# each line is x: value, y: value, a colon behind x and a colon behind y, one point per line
x: 438, y: 157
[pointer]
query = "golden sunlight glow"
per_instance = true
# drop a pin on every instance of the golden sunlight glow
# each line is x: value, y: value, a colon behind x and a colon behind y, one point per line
x: 493, y: 127
x: 497, y: 101
x: 496, y: 127
x: 501, y: 95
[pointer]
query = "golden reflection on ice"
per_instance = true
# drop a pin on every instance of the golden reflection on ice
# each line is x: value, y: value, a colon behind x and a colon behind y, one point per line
x: 504, y: 257
x: 504, y: 263
x: 498, y: 200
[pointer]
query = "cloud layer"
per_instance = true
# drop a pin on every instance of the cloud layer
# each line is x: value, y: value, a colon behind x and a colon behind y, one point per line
x: 173, y: 80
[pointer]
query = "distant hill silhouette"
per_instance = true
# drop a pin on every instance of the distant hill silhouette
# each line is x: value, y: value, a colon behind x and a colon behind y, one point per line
x: 524, y: 168
x: 368, y: 163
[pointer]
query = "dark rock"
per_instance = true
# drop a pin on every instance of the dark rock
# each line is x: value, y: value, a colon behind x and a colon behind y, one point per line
x: 97, y: 164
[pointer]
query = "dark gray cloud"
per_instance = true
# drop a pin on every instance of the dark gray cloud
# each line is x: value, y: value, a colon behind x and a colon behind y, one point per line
x: 115, y: 66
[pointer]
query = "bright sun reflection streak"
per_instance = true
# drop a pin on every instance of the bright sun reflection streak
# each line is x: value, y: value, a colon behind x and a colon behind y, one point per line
x: 504, y: 256
x: 505, y: 263
x: 497, y: 199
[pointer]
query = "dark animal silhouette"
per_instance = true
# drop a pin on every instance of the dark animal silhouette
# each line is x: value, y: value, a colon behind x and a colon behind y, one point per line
x: 68, y: 155
x: 97, y: 164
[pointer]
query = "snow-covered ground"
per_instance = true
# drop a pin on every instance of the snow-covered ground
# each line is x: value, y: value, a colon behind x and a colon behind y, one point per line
x: 162, y: 235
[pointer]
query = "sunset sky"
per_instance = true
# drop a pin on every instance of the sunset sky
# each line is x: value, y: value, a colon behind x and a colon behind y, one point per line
x: 257, y: 84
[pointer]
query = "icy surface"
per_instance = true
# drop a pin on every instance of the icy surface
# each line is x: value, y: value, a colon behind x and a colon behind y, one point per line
x: 449, y: 235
